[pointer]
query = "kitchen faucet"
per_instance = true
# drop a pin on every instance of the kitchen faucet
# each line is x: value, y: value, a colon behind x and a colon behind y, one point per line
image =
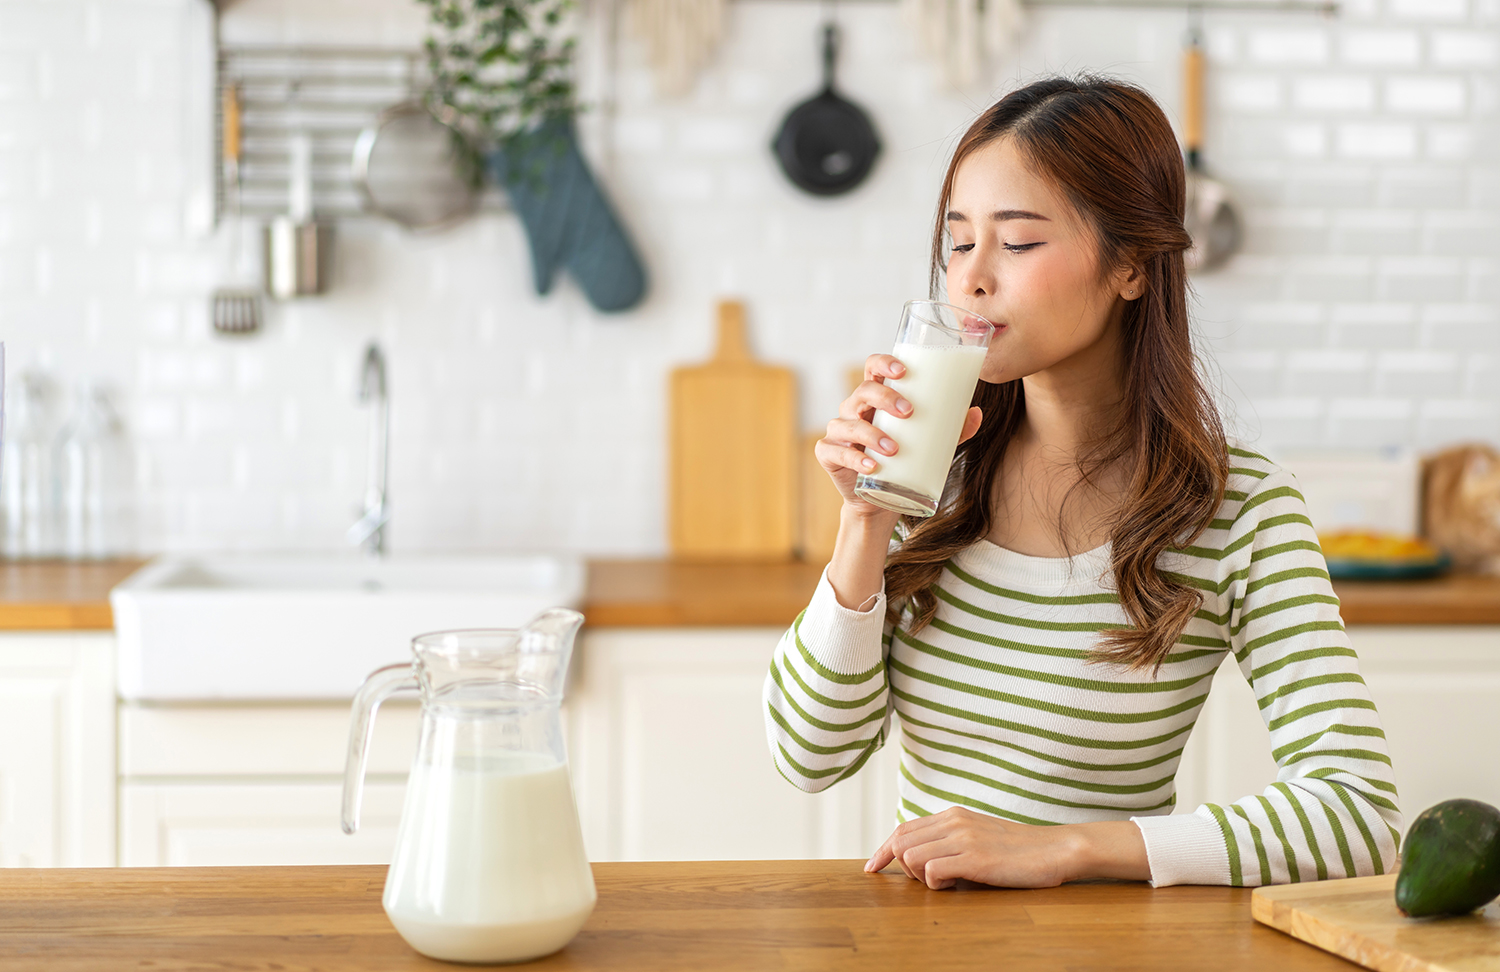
x: 369, y: 530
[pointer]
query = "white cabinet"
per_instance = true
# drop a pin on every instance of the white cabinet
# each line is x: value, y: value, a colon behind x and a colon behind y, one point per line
x: 670, y: 762
x: 57, y: 749
x: 1436, y: 688
x: 255, y: 784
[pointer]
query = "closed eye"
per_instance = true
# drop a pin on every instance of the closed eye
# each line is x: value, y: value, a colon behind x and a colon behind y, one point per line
x: 1021, y: 247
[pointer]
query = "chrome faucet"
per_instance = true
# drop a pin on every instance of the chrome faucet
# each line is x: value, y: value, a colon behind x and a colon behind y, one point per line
x: 369, y: 530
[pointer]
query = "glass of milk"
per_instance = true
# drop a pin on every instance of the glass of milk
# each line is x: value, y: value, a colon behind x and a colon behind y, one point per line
x: 489, y: 863
x: 943, y: 348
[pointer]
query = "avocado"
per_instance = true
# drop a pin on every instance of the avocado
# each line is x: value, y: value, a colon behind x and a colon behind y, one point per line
x: 1450, y: 863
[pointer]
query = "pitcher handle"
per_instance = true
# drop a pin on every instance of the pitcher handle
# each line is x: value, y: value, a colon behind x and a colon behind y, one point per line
x: 381, y: 685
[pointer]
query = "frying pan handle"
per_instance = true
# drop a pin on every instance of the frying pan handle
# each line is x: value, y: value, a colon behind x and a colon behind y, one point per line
x: 1192, y: 100
x: 830, y: 53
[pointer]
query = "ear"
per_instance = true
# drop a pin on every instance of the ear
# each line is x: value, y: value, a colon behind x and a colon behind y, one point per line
x: 1130, y: 282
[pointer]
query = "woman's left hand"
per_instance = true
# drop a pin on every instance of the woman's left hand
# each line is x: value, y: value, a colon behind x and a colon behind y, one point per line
x: 957, y: 843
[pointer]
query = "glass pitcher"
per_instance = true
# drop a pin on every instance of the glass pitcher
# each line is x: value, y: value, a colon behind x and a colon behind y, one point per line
x: 489, y: 863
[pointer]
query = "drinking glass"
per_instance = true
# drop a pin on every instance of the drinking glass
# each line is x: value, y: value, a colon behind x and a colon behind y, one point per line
x: 943, y: 349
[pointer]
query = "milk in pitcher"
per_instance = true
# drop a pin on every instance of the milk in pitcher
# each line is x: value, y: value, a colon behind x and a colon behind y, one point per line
x: 516, y: 887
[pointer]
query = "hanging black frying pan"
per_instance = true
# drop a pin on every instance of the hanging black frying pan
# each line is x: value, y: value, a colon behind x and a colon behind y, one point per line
x: 826, y: 144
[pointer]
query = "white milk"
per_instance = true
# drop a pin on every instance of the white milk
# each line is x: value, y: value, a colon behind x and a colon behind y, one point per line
x: 939, y: 383
x: 489, y: 863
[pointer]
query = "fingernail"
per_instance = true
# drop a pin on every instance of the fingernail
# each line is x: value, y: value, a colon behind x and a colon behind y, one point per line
x: 902, y: 405
x: 898, y: 368
x: 888, y: 447
x: 867, y: 463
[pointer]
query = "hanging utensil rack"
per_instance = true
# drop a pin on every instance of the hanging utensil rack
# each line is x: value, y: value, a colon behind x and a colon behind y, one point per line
x: 329, y: 93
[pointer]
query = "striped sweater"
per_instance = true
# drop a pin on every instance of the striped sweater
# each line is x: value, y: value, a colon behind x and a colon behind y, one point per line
x: 1002, y: 712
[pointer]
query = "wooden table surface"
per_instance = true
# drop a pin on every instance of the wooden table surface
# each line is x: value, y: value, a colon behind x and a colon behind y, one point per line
x: 795, y: 915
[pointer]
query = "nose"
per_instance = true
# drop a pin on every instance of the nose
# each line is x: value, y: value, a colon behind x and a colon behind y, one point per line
x: 976, y: 277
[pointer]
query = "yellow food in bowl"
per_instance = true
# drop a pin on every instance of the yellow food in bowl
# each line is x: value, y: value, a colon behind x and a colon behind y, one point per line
x: 1376, y: 547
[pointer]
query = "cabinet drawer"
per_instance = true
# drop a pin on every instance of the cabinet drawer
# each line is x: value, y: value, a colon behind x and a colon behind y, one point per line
x: 258, y: 740
x: 232, y: 824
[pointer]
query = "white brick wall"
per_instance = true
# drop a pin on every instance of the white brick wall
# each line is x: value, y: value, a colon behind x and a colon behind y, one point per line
x: 1362, y: 311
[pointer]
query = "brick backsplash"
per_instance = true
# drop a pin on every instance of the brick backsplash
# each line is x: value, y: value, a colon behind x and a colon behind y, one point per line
x: 1362, y: 311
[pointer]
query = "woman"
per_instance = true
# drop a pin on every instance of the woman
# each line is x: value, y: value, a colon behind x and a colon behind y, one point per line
x: 1049, y: 637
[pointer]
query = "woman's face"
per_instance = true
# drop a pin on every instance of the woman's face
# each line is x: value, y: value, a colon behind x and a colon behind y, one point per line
x: 1027, y: 262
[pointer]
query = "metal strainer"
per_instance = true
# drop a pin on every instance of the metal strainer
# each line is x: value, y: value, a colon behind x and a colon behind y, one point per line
x: 413, y: 167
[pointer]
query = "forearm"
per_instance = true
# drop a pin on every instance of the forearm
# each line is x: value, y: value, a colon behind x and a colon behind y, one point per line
x: 1108, y: 849
x: 857, y: 569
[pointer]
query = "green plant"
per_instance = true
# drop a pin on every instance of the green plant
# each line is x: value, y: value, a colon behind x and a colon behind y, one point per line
x: 502, y: 67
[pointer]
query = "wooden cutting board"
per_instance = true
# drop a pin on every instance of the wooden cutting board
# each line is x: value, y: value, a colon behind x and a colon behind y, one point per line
x: 1357, y: 918
x: 732, y: 453
x: 821, y: 502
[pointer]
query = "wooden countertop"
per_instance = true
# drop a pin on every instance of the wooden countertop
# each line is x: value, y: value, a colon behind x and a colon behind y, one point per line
x: 807, y: 915
x: 59, y: 595
x: 55, y: 595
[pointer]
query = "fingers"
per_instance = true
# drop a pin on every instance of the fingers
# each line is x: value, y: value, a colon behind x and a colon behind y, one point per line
x: 831, y: 455
x: 972, y: 421
x: 908, y: 835
x: 881, y: 366
x: 870, y: 395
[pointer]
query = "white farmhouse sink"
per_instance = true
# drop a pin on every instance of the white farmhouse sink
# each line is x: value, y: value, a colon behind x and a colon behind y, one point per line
x: 311, y: 627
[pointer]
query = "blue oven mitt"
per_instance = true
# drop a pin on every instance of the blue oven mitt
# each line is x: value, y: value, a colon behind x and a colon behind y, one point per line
x: 568, y: 221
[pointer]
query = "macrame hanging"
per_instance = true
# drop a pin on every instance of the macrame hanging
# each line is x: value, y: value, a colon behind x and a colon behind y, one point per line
x: 964, y: 36
x: 680, y: 37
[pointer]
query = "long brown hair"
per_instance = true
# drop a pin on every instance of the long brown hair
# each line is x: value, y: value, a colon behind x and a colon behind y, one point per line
x: 1107, y: 146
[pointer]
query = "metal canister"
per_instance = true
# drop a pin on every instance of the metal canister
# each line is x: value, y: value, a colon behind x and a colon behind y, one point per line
x: 298, y: 257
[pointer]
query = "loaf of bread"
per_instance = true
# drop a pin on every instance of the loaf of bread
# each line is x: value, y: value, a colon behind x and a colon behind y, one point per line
x: 1461, y: 505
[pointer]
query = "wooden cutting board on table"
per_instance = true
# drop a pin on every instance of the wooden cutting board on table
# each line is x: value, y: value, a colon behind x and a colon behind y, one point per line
x: 1357, y: 919
x: 732, y: 453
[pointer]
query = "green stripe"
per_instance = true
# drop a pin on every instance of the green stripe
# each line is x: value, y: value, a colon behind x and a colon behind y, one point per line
x: 1231, y: 846
x: 1024, y: 793
x: 1014, y: 595
x: 1369, y: 754
x: 1307, y: 829
x: 1338, y: 835
x: 864, y: 758
x: 1246, y: 471
x: 1083, y: 742
x: 976, y: 804
x: 829, y: 701
x: 1260, y: 847
x: 1328, y: 651
x: 1076, y: 653
x: 1327, y: 772
x: 1292, y: 688
x: 1219, y: 553
x: 1017, y: 791
x: 817, y: 723
x: 1022, y: 622
x: 1281, y: 634
x: 824, y: 672
x: 1294, y: 872
x: 907, y: 719
x: 1072, y: 712
x: 780, y: 720
x: 1285, y: 604
x: 1317, y: 707
x: 1121, y: 788
x: 1359, y: 821
x: 1297, y: 745
x: 1086, y: 684
x: 811, y: 774
x: 1247, y: 454
x: 914, y: 808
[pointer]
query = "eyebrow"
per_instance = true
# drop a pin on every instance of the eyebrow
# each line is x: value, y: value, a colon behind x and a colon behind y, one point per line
x: 999, y: 216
